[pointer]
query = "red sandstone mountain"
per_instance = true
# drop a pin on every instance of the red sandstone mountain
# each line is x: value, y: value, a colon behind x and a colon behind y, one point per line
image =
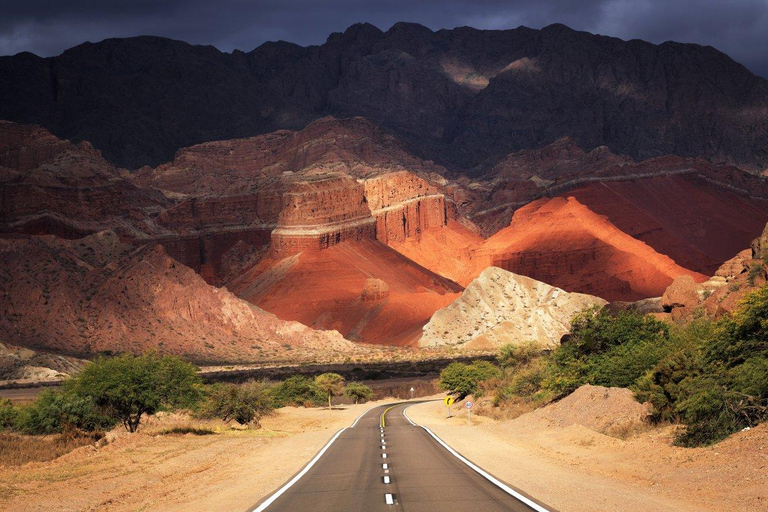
x: 563, y: 166
x: 299, y: 223
x: 696, y: 223
x: 363, y: 289
x: 335, y: 180
x: 560, y: 242
x: 563, y: 243
x: 97, y: 295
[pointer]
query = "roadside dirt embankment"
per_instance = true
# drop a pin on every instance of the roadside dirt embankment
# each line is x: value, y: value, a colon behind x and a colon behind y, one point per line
x: 559, y: 455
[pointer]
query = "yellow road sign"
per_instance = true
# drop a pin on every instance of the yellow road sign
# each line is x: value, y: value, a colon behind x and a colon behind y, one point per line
x: 449, y: 401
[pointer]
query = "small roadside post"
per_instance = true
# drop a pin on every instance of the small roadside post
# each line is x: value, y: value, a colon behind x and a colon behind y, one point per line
x: 412, y: 390
x: 469, y: 405
x: 448, y: 403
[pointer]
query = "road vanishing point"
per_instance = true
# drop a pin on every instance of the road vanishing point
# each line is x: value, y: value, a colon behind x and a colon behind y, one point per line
x: 385, y: 462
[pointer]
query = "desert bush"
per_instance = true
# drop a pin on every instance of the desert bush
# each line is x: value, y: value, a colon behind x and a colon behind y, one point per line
x: 464, y: 379
x: 8, y: 414
x: 297, y: 390
x: 126, y: 387
x: 244, y: 403
x: 358, y: 392
x: 54, y: 412
x: 511, y: 355
x: 331, y: 384
x: 606, y: 350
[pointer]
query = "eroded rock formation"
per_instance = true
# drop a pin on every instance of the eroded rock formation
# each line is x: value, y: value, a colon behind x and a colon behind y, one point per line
x: 499, y: 307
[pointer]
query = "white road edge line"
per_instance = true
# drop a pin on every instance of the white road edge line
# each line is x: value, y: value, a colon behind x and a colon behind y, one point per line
x: 501, y: 485
x: 296, y: 478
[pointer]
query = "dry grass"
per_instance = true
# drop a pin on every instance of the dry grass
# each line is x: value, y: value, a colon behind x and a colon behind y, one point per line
x: 16, y: 450
x: 188, y: 429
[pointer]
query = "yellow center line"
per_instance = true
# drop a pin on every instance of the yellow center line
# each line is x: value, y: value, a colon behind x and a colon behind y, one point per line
x: 383, y: 415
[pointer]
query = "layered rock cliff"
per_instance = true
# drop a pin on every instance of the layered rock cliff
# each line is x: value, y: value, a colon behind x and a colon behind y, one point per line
x: 499, y: 307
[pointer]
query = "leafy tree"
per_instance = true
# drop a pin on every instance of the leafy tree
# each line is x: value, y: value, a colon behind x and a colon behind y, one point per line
x: 296, y: 390
x: 245, y: 403
x: 358, y: 391
x: 331, y: 384
x: 464, y: 378
x: 126, y: 387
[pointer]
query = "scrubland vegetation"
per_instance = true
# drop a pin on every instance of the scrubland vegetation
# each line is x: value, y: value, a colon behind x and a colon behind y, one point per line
x: 125, y: 389
x: 711, y: 376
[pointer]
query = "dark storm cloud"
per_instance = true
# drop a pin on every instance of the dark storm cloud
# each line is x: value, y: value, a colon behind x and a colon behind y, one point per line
x: 47, y: 27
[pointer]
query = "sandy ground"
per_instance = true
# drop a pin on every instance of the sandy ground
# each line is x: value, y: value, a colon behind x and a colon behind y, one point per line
x: 229, y: 471
x: 575, y: 469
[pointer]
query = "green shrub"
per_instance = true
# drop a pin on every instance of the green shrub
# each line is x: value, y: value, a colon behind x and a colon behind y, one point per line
x: 245, y: 403
x: 511, y: 355
x: 8, y: 414
x: 358, y: 392
x: 463, y: 379
x: 54, y: 412
x: 126, y: 387
x: 297, y: 390
x: 607, y: 350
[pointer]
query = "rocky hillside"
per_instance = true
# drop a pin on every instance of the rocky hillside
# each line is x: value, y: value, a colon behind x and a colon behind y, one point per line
x: 464, y: 97
x: 97, y: 295
x: 52, y: 186
x: 499, y: 307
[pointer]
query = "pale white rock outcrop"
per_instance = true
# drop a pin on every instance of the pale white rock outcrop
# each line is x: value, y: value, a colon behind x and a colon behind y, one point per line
x: 500, y: 307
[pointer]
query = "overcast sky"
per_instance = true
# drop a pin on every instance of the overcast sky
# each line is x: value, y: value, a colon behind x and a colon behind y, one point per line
x: 47, y: 27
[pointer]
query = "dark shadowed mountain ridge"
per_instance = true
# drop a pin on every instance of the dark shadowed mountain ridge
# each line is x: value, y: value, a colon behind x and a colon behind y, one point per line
x: 462, y: 97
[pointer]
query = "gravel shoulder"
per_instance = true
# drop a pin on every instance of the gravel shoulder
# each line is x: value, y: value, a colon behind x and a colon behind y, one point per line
x: 576, y: 469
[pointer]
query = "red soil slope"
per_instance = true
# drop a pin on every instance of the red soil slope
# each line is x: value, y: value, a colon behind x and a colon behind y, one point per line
x: 324, y: 289
x: 563, y: 243
x: 697, y: 224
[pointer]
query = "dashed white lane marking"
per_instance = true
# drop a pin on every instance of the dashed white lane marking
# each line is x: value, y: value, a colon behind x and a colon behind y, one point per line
x: 386, y: 479
x: 385, y: 466
x: 296, y: 478
x: 388, y: 499
x: 501, y: 485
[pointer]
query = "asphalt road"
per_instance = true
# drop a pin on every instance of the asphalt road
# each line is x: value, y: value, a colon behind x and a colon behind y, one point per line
x: 398, y: 467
